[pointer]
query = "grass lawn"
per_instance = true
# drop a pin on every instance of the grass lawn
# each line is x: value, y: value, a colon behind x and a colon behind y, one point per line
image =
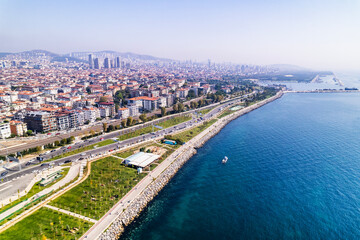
x: 189, y: 134
x: 205, y: 111
x: 136, y: 133
x: 125, y: 154
x: 83, y: 149
x: 174, y: 121
x: 153, y: 166
x: 47, y: 223
x: 225, y: 113
x: 34, y: 190
x: 107, y: 183
x: 165, y: 124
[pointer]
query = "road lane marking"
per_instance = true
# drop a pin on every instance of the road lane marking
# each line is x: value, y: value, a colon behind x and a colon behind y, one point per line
x: 5, y: 188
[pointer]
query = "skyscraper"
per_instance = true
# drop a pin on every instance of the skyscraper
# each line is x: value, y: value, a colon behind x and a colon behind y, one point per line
x: 91, y: 61
x: 96, y: 63
x: 106, y: 63
x: 118, y: 62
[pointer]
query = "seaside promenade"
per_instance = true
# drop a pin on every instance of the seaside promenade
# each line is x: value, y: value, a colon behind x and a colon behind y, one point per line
x: 112, y: 224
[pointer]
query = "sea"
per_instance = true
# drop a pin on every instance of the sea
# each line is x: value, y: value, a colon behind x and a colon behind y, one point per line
x: 293, y: 173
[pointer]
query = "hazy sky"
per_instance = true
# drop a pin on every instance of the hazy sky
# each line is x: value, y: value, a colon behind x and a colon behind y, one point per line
x: 316, y: 34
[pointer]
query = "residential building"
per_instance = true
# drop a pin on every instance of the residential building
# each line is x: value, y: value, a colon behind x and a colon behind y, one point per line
x: 133, y: 110
x: 63, y: 121
x: 123, y: 113
x: 18, y: 128
x: 41, y: 121
x: 5, y: 131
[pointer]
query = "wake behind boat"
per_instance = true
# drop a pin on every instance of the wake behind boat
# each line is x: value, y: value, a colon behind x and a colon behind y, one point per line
x: 225, y: 159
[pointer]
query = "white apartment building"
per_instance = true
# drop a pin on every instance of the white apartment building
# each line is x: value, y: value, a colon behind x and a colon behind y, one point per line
x: 124, y: 113
x: 5, y: 131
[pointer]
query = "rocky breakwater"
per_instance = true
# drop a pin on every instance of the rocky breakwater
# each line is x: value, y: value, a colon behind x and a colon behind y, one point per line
x: 182, y: 155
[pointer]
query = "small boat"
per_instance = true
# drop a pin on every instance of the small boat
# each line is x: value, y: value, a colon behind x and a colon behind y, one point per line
x: 224, y: 160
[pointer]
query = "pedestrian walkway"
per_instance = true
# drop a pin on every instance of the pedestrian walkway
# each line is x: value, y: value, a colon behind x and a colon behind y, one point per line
x: 71, y: 213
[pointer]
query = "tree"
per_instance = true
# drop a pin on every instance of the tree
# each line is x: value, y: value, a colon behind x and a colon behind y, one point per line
x: 200, y: 91
x: 105, y: 126
x: 123, y: 123
x: 88, y: 90
x: 69, y: 140
x: 57, y: 143
x: 63, y: 141
x: 129, y: 121
x: 193, y: 105
x: 117, y: 107
x: 29, y: 132
x: 92, y: 132
x: 38, y: 148
x: 180, y: 107
x: 143, y: 117
x: 163, y: 111
x: 119, y: 95
x: 176, y: 108
x: 110, y: 128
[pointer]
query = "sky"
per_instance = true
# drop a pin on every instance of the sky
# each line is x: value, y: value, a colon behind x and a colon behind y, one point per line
x: 316, y: 34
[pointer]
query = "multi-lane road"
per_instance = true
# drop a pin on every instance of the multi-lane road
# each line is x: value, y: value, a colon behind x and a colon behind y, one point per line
x: 97, y: 126
x: 26, y: 169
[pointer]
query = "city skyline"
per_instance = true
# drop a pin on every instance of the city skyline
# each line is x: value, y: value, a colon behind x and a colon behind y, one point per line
x: 310, y: 34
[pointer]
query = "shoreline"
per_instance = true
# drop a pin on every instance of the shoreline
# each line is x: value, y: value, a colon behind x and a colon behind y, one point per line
x: 182, y: 155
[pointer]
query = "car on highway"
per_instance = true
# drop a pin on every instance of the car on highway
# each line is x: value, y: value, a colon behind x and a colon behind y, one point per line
x: 69, y: 147
x: 67, y: 161
x: 49, y: 134
x: 57, y: 134
x: 53, y: 150
x: 101, y: 139
x: 4, y: 173
x: 44, y: 164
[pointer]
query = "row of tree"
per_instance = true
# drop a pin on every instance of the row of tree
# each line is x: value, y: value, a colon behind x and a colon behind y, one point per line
x: 37, y: 149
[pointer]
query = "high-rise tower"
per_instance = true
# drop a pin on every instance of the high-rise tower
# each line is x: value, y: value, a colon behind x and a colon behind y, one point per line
x: 91, y: 61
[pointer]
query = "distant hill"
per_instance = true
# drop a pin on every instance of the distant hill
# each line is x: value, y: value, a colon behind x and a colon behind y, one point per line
x: 3, y: 54
x: 289, y: 68
x: 128, y: 55
x: 78, y: 56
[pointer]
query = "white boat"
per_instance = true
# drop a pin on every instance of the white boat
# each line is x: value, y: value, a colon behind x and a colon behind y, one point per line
x: 224, y: 160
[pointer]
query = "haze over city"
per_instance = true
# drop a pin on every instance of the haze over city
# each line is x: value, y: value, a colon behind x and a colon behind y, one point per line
x: 313, y: 34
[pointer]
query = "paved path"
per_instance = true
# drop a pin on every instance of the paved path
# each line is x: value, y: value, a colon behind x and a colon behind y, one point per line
x: 71, y: 213
x: 95, y: 231
x: 115, y: 211
x: 14, y: 187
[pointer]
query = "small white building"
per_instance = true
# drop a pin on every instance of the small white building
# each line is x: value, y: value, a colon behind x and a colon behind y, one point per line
x: 141, y: 159
x: 123, y: 113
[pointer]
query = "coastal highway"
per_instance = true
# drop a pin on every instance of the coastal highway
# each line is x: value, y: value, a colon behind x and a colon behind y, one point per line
x: 97, y: 126
x: 14, y: 171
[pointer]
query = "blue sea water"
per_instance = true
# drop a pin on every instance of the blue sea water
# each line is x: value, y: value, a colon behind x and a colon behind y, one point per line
x: 293, y: 173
